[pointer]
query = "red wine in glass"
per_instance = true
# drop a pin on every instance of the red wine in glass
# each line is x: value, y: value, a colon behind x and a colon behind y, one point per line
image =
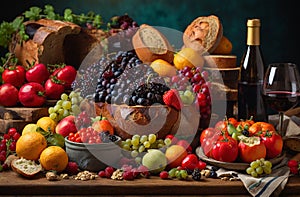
x: 281, y: 89
x: 281, y: 100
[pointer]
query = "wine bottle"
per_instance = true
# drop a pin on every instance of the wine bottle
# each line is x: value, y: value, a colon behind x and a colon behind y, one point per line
x: 250, y: 100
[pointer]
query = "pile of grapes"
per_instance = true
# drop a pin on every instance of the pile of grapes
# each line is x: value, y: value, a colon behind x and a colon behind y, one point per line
x: 259, y: 167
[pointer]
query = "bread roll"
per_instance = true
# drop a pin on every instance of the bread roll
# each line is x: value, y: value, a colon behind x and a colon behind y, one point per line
x: 25, y: 167
x: 221, y: 61
x: 203, y: 34
x: 150, y: 44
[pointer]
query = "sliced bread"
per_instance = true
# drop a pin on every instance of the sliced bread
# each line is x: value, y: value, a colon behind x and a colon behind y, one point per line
x: 150, y: 44
x: 25, y: 167
x: 203, y: 34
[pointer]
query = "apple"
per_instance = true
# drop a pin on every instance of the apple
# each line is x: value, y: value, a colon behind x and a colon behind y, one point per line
x: 66, y: 126
x: 8, y: 95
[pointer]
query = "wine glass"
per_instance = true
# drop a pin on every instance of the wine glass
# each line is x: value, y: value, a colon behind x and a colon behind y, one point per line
x: 281, y: 89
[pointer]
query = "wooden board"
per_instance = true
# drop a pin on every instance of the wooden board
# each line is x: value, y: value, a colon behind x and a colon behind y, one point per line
x: 18, y: 117
x: 13, y: 184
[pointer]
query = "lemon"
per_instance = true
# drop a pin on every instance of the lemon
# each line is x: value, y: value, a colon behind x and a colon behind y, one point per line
x: 47, y: 124
x: 188, y: 57
x: 163, y: 68
x: 31, y: 127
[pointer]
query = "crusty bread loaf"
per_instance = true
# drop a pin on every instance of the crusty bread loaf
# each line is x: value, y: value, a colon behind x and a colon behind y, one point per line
x: 150, y: 44
x: 54, y: 42
x: 220, y: 61
x: 203, y: 34
x: 25, y: 167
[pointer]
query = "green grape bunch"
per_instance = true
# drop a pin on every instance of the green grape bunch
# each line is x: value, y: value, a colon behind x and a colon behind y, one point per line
x: 259, y: 167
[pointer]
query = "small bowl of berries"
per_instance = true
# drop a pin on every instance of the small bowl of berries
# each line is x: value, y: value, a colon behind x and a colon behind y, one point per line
x: 94, y: 155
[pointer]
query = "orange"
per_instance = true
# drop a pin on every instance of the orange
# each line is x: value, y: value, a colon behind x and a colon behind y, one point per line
x: 30, y: 145
x: 175, y: 154
x: 188, y: 57
x: 47, y: 124
x: 54, y: 158
x: 224, y: 47
x: 163, y: 68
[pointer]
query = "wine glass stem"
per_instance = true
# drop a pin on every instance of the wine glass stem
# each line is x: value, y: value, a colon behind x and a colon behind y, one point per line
x: 280, y: 124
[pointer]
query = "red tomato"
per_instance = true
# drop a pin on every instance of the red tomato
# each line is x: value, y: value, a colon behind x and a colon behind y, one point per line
x: 225, y: 149
x: 8, y: 95
x: 38, y: 73
x: 221, y: 125
x: 233, y: 121
x: 53, y: 88
x: 201, y: 165
x: 31, y: 94
x: 251, y: 148
x: 208, y: 138
x: 273, y: 142
x: 14, y: 75
x: 190, y: 162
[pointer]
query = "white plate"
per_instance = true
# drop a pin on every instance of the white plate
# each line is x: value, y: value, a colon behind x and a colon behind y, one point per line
x: 232, y: 165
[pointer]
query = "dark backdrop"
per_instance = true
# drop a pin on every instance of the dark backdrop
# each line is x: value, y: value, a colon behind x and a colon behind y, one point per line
x: 279, y: 31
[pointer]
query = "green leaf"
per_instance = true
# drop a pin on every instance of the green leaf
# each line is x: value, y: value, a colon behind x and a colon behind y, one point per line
x: 33, y: 13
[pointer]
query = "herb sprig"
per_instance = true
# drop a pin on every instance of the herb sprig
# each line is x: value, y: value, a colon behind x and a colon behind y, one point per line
x: 8, y: 30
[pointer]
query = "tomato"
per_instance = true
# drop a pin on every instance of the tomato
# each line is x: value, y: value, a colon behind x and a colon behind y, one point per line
x: 8, y: 95
x: 251, y: 148
x: 225, y: 149
x: 38, y: 73
x: 245, y: 124
x: 259, y: 127
x: 233, y: 121
x: 209, y: 137
x: 221, y: 125
x: 14, y: 75
x: 31, y: 94
x: 201, y: 165
x: 273, y: 142
x: 67, y: 75
x: 190, y: 161
x: 53, y: 88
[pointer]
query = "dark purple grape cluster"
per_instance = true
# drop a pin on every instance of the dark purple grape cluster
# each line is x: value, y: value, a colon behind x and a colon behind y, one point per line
x: 126, y: 80
x: 87, y: 77
x: 122, y: 28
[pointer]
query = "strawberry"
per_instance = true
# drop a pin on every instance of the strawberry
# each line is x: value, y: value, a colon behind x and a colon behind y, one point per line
x: 172, y: 98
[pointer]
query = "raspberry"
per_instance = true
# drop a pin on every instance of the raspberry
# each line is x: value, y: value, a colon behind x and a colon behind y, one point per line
x: 72, y: 168
x: 292, y: 163
x: 102, y: 174
x: 109, y: 171
x: 172, y: 98
x: 144, y: 171
x: 294, y: 170
x: 128, y: 175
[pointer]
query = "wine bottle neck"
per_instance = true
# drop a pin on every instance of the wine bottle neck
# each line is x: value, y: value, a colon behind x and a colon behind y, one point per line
x: 253, y: 32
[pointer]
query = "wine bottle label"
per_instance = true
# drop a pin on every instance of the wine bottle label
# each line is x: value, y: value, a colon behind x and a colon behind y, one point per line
x: 253, y: 32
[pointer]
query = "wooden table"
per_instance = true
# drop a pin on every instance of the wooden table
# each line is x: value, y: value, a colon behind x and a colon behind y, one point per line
x: 12, y: 183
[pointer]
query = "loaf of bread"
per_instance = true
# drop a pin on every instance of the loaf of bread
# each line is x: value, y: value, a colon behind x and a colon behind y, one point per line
x: 220, y: 61
x: 25, y: 167
x: 203, y: 34
x: 150, y: 44
x: 54, y: 42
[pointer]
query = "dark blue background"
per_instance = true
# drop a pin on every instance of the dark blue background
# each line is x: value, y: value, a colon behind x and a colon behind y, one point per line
x: 279, y: 18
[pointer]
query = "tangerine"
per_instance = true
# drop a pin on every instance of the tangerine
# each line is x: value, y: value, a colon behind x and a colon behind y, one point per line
x: 54, y: 158
x: 47, y: 124
x: 30, y: 145
x: 188, y: 57
x: 175, y: 154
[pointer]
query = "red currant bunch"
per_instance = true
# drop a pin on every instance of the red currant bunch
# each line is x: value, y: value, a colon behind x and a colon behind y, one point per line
x: 8, y: 145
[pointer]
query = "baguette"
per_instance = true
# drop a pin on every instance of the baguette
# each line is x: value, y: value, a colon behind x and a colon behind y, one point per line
x: 25, y: 167
x: 150, y: 44
x: 203, y: 34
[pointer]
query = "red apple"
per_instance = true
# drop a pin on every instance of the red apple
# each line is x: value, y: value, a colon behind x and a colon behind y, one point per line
x: 66, y: 126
